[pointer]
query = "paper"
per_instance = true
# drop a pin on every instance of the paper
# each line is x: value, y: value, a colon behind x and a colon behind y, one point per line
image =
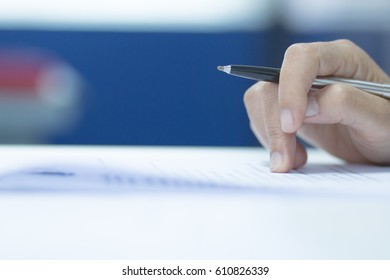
x: 184, y: 169
x: 187, y: 203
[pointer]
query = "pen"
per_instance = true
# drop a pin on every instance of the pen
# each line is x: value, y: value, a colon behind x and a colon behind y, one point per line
x: 269, y: 74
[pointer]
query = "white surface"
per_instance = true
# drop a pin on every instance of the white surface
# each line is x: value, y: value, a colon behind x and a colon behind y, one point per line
x: 154, y: 15
x: 183, y: 223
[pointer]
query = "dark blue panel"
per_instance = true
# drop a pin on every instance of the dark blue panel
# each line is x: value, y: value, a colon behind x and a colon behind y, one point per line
x: 155, y: 88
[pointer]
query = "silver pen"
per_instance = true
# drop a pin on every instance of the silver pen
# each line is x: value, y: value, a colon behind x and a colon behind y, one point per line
x: 269, y: 74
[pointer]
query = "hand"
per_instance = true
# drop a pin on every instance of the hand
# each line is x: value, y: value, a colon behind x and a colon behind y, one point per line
x: 345, y: 121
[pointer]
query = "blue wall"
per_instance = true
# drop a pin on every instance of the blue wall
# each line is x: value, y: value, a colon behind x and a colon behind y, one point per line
x: 155, y: 88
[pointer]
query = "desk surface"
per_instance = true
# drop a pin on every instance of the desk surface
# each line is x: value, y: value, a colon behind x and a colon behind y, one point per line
x: 182, y: 223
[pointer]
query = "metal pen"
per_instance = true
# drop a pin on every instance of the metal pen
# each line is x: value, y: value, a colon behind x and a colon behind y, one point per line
x: 269, y: 74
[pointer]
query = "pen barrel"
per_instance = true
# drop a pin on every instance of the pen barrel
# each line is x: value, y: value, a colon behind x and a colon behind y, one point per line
x: 267, y: 74
x: 382, y: 90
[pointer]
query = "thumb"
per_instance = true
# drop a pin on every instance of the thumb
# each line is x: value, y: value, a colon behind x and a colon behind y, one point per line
x: 363, y: 115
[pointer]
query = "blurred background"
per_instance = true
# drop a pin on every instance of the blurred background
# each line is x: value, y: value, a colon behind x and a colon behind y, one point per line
x: 143, y: 72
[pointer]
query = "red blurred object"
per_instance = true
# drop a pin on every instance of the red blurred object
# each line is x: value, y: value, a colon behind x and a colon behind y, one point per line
x: 20, y: 70
x: 40, y: 94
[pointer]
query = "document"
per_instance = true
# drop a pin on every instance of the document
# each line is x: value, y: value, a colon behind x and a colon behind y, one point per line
x: 69, y: 202
x: 184, y: 169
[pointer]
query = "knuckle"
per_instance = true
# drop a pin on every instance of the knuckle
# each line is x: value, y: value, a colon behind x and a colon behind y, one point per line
x: 249, y: 96
x: 343, y: 97
x: 340, y: 94
x: 256, y: 92
x: 301, y: 49
x: 274, y: 133
x: 346, y: 42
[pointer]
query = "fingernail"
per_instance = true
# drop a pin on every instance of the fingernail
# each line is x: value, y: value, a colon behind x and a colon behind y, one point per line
x: 276, y: 161
x: 312, y: 107
x: 287, y: 121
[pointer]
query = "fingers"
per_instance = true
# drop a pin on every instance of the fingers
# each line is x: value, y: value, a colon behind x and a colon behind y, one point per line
x: 281, y: 145
x: 263, y: 112
x: 361, y: 133
x: 304, y: 62
x: 294, y: 83
x: 354, y: 124
x: 347, y: 105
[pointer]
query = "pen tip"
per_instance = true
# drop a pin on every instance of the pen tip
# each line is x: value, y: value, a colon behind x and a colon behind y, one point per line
x: 225, y: 69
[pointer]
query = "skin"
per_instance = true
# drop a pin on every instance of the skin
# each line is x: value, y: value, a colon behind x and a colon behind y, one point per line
x: 346, y: 122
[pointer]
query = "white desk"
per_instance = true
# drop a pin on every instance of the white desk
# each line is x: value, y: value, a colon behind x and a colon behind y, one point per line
x: 185, y: 223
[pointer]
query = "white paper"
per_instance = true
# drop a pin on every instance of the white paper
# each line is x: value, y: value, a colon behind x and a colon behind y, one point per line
x: 183, y: 169
x: 55, y: 204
